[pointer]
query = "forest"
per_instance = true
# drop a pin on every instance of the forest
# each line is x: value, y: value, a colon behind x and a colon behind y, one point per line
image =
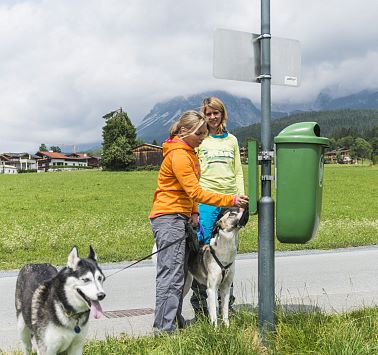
x: 347, y: 129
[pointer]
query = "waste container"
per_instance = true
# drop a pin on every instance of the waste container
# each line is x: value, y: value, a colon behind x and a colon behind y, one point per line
x: 299, y: 166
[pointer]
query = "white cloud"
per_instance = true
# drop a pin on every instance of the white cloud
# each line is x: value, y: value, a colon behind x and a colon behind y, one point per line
x: 65, y: 63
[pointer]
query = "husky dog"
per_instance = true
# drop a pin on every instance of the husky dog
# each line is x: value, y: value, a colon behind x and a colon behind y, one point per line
x: 214, y: 264
x: 53, y: 307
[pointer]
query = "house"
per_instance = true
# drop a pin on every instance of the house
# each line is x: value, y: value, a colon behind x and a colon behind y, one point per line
x: 94, y: 162
x: 55, y: 160
x: 91, y: 161
x: 148, y: 154
x: 21, y: 161
x: 7, y: 169
x: 243, y: 155
x: 338, y: 156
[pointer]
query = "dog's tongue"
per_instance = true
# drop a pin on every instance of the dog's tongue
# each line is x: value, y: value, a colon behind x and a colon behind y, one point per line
x: 96, y: 309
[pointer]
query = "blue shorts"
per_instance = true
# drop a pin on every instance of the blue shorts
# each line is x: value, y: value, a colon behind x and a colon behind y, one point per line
x: 207, y: 218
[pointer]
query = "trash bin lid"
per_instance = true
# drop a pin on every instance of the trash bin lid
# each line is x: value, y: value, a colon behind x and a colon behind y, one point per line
x: 302, y: 132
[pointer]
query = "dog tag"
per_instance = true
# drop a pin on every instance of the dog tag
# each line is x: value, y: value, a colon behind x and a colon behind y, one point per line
x: 77, y: 329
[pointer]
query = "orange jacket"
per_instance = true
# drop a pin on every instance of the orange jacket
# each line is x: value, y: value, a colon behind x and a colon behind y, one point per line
x: 178, y: 188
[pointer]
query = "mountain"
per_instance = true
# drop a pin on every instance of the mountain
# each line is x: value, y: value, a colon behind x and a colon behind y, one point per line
x: 366, y: 99
x: 155, y: 125
x: 242, y: 112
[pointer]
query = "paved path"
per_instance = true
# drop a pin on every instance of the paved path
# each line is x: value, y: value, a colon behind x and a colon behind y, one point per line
x: 334, y: 281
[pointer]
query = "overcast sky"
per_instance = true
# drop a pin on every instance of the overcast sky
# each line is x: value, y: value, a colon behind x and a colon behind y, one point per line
x: 66, y: 63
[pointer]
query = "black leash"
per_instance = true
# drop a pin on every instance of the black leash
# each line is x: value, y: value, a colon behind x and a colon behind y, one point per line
x: 148, y: 256
x: 190, y: 232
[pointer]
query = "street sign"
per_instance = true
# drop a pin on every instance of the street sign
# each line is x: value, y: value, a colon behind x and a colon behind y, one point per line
x: 285, y: 57
x: 237, y: 56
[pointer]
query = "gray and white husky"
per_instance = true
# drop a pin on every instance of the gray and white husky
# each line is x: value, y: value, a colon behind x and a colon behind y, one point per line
x: 54, y: 307
x: 214, y: 265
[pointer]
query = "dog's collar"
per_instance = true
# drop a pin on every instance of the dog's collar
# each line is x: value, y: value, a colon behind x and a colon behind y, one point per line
x: 223, y: 267
x: 77, y: 317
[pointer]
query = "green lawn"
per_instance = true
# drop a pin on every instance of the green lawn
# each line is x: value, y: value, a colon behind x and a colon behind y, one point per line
x: 349, y: 214
x: 296, y: 333
x: 43, y: 215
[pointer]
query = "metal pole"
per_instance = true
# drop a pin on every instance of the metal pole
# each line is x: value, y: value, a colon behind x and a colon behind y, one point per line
x: 266, y: 294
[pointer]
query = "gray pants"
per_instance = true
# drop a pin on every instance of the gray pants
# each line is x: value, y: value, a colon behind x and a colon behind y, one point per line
x: 171, y: 270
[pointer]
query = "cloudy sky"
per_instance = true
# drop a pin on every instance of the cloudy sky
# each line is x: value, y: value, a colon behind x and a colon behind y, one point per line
x: 66, y: 63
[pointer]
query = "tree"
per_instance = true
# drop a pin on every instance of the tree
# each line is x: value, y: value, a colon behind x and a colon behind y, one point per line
x: 361, y: 149
x: 119, y: 137
x: 43, y: 148
x: 374, y: 153
x: 332, y: 144
x: 345, y: 142
x: 55, y: 149
x: 154, y: 142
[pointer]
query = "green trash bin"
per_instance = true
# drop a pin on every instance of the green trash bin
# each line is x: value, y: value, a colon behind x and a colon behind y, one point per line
x: 299, y: 168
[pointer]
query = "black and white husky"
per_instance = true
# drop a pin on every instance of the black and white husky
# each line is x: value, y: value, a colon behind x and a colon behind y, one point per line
x: 214, y: 265
x: 54, y: 307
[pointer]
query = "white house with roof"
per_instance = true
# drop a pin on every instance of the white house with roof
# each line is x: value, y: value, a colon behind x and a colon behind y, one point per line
x: 55, y: 160
x: 21, y: 161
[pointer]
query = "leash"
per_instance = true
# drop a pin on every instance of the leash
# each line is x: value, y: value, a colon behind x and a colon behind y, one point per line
x: 215, y: 230
x: 148, y: 256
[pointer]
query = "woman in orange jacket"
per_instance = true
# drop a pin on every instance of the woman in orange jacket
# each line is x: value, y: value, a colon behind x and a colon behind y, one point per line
x: 175, y: 204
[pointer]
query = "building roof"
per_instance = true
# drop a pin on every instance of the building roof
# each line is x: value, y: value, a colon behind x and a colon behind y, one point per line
x: 78, y: 155
x: 53, y: 155
x: 147, y: 145
x: 17, y: 155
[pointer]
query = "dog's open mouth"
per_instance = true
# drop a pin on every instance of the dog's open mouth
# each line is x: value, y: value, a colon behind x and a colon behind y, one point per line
x: 93, y: 305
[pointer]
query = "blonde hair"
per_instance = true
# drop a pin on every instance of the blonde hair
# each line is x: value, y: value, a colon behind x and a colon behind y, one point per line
x: 190, y: 120
x: 216, y: 104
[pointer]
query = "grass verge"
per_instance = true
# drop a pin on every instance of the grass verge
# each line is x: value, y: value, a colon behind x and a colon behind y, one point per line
x: 296, y: 333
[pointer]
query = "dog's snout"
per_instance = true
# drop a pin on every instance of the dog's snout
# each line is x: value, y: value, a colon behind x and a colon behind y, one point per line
x: 101, y: 296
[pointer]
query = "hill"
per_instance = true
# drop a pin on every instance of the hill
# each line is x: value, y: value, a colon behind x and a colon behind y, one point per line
x: 332, y: 123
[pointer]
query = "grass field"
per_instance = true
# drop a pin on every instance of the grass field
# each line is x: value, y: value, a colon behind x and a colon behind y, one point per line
x: 43, y: 215
x: 296, y: 333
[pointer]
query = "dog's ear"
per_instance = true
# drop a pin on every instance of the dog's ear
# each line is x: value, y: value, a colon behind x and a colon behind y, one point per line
x: 92, y: 255
x: 73, y: 259
x: 244, y: 217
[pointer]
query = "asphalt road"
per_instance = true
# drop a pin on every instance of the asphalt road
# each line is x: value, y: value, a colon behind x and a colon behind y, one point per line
x: 334, y: 281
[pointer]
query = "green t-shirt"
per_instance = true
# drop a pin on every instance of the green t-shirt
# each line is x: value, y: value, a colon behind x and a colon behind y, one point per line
x: 221, y: 168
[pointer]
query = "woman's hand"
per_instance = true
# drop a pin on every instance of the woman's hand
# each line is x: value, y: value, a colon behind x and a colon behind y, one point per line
x: 241, y: 201
x: 194, y: 220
